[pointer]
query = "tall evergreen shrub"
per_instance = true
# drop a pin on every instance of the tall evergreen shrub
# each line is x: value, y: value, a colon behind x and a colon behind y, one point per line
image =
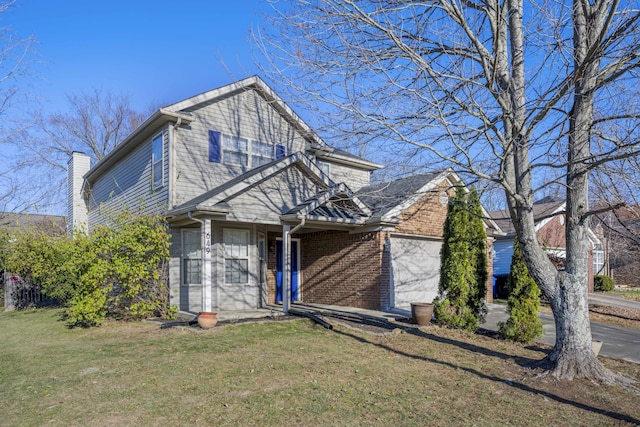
x: 523, y: 324
x: 463, y: 265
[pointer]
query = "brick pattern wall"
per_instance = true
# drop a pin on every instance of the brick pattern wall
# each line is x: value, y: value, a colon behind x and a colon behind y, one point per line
x: 426, y: 216
x: 271, y: 266
x: 338, y: 268
x: 552, y: 235
x: 344, y: 269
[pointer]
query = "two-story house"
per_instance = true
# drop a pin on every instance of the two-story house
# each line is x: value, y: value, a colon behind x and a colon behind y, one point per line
x: 262, y: 211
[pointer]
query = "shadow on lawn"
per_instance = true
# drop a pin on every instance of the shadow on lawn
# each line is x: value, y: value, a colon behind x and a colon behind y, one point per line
x: 522, y: 361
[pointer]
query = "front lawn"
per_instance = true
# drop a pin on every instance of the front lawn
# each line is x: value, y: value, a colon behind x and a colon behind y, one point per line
x: 284, y: 373
x: 632, y: 294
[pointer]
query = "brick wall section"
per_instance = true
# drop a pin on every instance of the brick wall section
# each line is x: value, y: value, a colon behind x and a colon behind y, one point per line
x: 338, y: 268
x: 271, y: 266
x: 426, y: 217
x: 552, y: 235
x: 344, y: 269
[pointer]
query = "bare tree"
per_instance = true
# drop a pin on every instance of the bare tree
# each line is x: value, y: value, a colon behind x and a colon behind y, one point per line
x: 509, y: 93
x: 15, y: 54
x: 94, y: 123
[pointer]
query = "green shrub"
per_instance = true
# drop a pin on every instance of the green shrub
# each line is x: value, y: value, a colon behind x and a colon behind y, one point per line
x: 117, y: 271
x: 603, y: 283
x: 523, y: 324
x: 463, y: 264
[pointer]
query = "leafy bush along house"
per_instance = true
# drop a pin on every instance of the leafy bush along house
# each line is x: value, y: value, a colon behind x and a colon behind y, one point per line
x: 237, y: 173
x: 550, y: 229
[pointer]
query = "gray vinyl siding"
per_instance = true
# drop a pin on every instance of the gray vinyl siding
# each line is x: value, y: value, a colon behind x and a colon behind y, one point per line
x: 265, y: 203
x: 175, y: 258
x: 224, y: 296
x: 354, y: 178
x: 503, y: 252
x: 244, y: 113
x: 127, y: 185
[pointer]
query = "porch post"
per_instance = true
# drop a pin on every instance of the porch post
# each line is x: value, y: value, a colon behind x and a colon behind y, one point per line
x: 286, y: 268
x: 206, y: 267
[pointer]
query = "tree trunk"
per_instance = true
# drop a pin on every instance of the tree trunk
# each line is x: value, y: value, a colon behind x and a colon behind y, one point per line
x: 572, y: 356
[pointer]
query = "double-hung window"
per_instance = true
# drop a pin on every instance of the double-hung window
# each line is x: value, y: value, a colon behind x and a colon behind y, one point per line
x: 261, y: 153
x: 191, y: 257
x: 157, y: 162
x: 239, y: 151
x: 235, y: 150
x: 598, y: 259
x: 236, y: 253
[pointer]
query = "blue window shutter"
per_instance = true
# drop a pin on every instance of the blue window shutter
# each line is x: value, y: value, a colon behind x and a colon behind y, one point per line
x: 214, y: 146
x: 281, y: 151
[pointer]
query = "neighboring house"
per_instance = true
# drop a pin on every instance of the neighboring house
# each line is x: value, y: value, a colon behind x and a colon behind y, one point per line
x: 50, y: 224
x: 260, y: 208
x: 550, y: 228
x: 619, y: 231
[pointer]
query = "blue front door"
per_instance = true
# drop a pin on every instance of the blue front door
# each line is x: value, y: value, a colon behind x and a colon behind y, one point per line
x: 295, y: 290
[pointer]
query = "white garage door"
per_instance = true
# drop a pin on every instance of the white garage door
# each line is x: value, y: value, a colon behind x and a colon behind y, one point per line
x: 415, y: 270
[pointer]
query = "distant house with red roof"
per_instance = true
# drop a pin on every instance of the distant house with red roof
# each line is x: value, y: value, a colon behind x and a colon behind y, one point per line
x: 549, y: 216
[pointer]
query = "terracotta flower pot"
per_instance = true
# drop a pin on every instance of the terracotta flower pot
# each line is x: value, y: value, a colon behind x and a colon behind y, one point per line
x: 207, y: 319
x: 421, y: 312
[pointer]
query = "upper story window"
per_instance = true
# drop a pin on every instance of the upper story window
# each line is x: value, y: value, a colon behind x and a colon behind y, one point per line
x: 239, y: 151
x: 157, y: 161
x: 324, y: 166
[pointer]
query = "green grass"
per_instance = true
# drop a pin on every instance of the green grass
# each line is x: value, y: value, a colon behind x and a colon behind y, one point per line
x: 284, y: 373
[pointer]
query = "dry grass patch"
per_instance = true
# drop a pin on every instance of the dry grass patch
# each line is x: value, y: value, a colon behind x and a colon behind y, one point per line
x: 286, y: 373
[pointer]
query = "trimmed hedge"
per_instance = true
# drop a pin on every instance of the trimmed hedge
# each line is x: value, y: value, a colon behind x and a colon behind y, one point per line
x: 602, y: 283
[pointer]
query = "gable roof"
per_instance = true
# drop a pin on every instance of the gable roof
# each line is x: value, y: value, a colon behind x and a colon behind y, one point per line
x: 251, y: 83
x: 140, y: 134
x: 387, y: 199
x: 336, y: 204
x: 543, y: 211
x: 214, y: 201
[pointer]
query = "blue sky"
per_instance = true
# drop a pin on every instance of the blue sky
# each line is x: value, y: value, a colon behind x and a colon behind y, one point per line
x: 157, y: 52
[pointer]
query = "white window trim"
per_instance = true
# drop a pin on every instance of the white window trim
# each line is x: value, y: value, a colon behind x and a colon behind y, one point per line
x: 184, y: 257
x: 155, y: 184
x: 250, y: 153
x: 246, y: 257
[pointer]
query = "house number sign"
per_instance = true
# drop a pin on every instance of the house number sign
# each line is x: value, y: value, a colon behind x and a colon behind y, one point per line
x: 207, y: 243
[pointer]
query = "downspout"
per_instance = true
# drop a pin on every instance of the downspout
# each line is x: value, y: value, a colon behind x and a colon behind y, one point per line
x: 303, y: 220
x: 172, y: 173
x: 286, y: 294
